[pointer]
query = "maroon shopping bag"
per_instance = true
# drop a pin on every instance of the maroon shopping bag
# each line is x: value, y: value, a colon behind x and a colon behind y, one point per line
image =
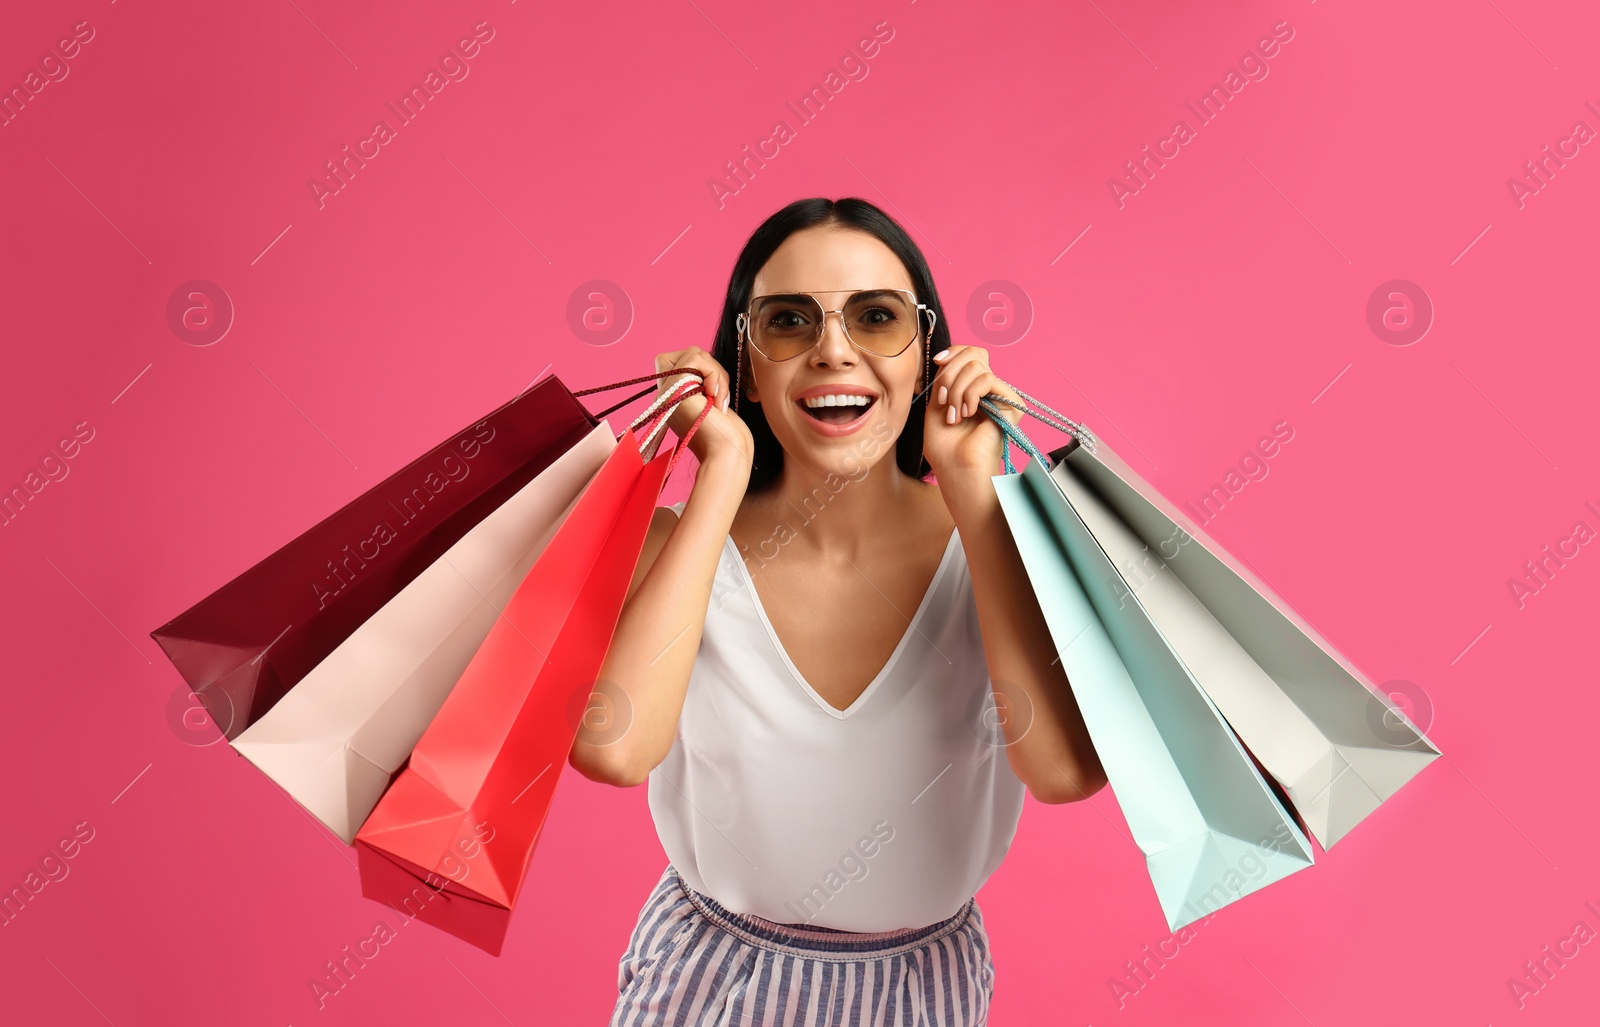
x: 245, y: 645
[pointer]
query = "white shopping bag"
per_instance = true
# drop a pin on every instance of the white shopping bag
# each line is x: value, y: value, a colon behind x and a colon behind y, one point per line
x: 335, y: 741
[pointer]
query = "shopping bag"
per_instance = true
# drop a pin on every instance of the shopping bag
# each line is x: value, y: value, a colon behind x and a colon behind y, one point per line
x: 450, y: 841
x: 1335, y: 744
x: 337, y: 739
x: 245, y: 645
x: 1210, y: 826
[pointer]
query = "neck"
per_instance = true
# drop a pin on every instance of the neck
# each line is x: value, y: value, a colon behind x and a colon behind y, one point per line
x: 832, y: 512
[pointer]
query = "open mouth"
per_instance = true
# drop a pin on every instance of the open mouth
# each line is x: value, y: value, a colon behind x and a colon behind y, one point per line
x: 840, y: 409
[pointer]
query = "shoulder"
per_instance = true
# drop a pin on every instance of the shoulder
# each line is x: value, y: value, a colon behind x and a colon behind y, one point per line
x: 934, y: 515
x: 943, y: 527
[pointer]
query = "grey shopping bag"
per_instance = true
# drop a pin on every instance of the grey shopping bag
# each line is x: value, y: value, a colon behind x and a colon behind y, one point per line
x: 1210, y: 826
x: 1336, y: 745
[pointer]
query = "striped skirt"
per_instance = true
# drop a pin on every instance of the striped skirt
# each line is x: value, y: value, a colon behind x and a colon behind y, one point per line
x: 691, y: 962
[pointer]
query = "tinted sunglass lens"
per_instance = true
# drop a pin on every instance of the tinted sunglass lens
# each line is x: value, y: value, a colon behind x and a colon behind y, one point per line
x: 881, y: 321
x: 784, y: 327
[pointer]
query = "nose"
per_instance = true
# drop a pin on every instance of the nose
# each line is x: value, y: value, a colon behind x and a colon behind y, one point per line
x: 834, y: 349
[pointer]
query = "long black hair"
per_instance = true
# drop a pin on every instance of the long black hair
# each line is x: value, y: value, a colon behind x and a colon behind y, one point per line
x: 849, y: 212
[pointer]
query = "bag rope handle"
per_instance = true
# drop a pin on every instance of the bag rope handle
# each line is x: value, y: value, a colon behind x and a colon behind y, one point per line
x: 653, y: 421
x: 683, y: 443
x: 660, y: 412
x: 655, y: 417
x: 1010, y: 435
x: 635, y: 381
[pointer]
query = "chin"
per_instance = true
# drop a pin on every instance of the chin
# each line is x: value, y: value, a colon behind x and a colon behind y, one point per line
x: 852, y: 453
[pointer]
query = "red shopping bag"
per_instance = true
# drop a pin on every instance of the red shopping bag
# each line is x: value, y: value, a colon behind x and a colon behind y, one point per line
x: 244, y: 646
x: 450, y: 841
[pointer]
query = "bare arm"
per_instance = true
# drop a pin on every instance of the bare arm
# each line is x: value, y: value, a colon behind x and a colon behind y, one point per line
x: 658, y: 633
x: 1047, y: 742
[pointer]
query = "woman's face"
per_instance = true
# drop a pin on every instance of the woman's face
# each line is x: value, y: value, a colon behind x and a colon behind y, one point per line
x: 832, y: 262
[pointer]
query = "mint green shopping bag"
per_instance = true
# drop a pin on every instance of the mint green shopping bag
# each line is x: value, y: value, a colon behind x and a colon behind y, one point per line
x: 1210, y: 826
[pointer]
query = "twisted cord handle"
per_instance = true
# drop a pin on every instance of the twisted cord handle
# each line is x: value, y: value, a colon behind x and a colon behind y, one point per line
x: 665, y: 406
x: 1054, y: 418
x: 654, y: 418
x: 666, y: 415
x: 634, y: 381
x: 657, y: 413
x: 1010, y: 435
x: 683, y: 443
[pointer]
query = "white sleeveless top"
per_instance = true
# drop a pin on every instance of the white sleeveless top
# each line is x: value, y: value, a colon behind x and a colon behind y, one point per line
x: 889, y: 814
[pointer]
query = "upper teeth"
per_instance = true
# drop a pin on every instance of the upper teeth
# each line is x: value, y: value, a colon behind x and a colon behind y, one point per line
x: 837, y: 401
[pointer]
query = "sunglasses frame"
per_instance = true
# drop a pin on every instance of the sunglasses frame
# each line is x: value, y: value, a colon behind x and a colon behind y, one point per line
x: 744, y: 320
x: 743, y: 333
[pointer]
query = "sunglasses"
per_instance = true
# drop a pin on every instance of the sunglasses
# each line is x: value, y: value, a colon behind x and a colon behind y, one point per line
x: 882, y: 322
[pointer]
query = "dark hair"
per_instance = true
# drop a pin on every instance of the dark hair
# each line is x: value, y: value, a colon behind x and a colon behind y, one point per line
x: 849, y: 212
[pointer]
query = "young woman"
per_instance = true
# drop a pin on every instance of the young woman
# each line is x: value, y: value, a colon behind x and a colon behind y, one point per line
x: 830, y: 670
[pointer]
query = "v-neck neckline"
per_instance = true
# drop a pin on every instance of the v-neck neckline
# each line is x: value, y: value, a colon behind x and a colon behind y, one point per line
x: 883, y: 672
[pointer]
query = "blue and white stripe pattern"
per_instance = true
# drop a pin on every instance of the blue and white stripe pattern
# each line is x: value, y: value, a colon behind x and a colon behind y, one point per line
x: 691, y: 962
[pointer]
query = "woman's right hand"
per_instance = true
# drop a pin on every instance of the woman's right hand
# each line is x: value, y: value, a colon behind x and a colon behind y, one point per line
x: 723, y: 434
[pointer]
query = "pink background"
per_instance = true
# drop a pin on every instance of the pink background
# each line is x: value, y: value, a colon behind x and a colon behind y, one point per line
x: 1228, y: 294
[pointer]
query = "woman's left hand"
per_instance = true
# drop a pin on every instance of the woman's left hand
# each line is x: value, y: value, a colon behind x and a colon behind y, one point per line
x: 973, y: 442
